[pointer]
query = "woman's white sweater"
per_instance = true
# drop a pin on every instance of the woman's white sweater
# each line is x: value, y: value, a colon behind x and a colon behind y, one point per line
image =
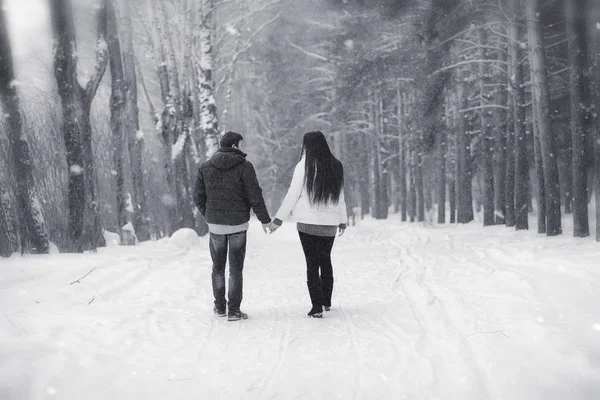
x: 297, y: 202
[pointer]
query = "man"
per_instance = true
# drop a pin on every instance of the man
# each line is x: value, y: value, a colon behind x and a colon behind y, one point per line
x: 226, y: 189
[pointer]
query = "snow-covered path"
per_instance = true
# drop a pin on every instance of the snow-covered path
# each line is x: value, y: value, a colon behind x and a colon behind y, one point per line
x: 419, y: 313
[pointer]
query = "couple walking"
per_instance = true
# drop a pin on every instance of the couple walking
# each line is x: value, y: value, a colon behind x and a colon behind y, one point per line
x: 227, y: 188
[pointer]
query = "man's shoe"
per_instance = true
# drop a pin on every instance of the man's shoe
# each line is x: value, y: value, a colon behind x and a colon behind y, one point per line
x: 236, y: 315
x: 219, y: 312
x: 316, y: 312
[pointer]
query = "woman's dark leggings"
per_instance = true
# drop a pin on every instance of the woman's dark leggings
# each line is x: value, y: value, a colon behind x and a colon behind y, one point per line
x: 319, y: 271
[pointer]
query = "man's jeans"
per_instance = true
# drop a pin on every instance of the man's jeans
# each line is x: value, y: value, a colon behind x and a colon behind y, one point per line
x: 219, y: 244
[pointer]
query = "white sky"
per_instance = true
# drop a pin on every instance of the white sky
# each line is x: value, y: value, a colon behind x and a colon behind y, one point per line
x: 28, y: 21
x: 31, y: 41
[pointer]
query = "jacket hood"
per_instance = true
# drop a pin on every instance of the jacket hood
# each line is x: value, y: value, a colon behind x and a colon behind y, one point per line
x: 227, y: 157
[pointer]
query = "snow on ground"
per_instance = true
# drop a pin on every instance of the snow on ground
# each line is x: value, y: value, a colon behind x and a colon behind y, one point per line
x: 419, y: 312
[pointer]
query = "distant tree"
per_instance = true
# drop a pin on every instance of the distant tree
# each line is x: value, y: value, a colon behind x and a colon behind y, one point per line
x: 542, y: 117
x: 134, y: 137
x: 580, y: 104
x: 84, y: 227
x: 118, y: 115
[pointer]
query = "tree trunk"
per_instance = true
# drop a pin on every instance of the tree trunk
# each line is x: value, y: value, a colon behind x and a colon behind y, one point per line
x: 463, y: 171
x: 487, y: 138
x: 135, y: 138
x: 117, y: 116
x: 441, y: 184
x: 208, y: 107
x: 402, y: 157
x: 453, y: 164
x: 412, y: 202
x: 420, y: 197
x: 546, y: 136
x: 539, y: 169
x: 503, y: 134
x: 566, y: 175
x: 167, y: 119
x: 595, y: 77
x: 178, y: 134
x: 84, y: 229
x: 9, y: 232
x: 364, y: 177
x: 377, y: 181
x: 34, y: 236
x: 517, y: 171
x: 576, y: 31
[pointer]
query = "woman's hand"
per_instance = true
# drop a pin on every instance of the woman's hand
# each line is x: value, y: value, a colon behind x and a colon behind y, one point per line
x: 273, y: 227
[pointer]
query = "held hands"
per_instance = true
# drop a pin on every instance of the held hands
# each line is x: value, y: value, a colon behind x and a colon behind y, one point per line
x: 341, y: 229
x: 265, y: 227
x: 272, y: 227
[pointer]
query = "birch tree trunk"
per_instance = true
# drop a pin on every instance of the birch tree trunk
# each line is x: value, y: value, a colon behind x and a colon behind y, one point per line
x: 134, y: 137
x: 33, y: 234
x: 84, y: 228
x: 576, y: 31
x: 208, y: 106
x: 546, y: 136
x: 486, y: 133
x: 517, y: 172
x: 117, y: 116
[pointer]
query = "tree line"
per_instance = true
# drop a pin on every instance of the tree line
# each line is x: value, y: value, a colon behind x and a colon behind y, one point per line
x: 437, y: 108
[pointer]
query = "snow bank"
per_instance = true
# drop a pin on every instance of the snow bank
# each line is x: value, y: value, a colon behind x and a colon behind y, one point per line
x: 111, y: 238
x: 185, y: 239
x: 52, y: 248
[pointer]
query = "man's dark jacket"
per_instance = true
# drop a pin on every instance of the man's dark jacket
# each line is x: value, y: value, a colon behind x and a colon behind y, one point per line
x: 227, y: 187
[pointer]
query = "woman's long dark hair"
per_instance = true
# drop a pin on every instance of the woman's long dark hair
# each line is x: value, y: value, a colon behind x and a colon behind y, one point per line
x: 323, y: 173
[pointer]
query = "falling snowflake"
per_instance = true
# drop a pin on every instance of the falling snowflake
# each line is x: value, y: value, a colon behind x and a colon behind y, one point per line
x: 349, y: 44
x: 139, y: 135
x: 76, y: 169
x: 598, y: 25
x: 597, y: 326
x: 231, y: 30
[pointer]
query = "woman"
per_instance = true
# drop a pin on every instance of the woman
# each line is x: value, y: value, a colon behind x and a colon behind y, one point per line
x: 316, y: 198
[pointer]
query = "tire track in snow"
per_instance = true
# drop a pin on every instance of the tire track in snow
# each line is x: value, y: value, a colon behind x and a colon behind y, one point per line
x: 435, y: 310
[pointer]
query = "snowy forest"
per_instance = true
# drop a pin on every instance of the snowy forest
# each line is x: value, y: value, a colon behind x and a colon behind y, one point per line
x: 440, y: 110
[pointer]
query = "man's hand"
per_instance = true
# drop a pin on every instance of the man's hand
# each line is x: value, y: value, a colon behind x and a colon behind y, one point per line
x: 265, y: 227
x: 341, y: 229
